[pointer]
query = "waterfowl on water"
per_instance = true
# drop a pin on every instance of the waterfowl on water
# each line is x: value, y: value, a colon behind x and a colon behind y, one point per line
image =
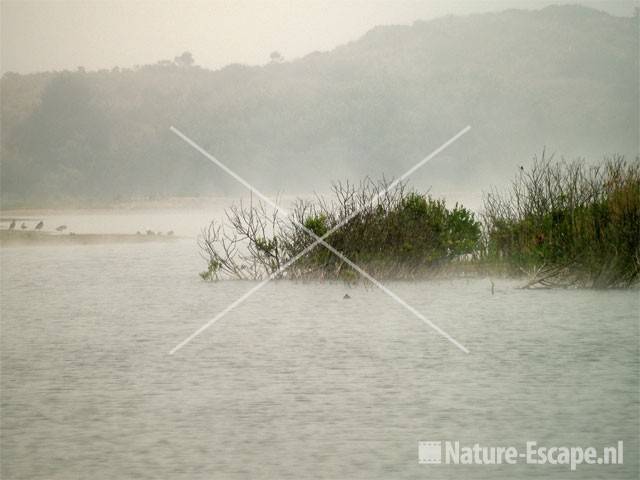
x: 346, y: 296
x: 61, y: 228
x: 40, y: 225
x: 13, y: 225
x: 23, y: 226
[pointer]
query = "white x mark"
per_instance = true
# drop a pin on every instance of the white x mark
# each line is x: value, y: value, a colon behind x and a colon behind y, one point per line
x: 318, y: 241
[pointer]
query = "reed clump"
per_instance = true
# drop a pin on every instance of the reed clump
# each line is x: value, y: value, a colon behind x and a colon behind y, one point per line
x: 568, y: 224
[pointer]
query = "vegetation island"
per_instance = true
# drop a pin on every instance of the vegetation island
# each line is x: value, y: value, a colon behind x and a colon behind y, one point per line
x: 561, y: 224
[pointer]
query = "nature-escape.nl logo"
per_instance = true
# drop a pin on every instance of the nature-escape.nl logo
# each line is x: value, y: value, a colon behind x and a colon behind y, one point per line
x: 431, y: 452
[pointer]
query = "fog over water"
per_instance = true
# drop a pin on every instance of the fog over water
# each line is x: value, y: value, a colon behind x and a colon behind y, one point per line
x: 297, y: 382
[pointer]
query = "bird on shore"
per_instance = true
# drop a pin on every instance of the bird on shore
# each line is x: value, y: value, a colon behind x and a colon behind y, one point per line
x: 23, y: 226
x: 346, y: 296
x: 61, y: 228
x: 13, y: 225
x: 40, y: 225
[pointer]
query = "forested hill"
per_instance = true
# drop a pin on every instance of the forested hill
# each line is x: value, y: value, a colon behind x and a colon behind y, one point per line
x: 562, y: 77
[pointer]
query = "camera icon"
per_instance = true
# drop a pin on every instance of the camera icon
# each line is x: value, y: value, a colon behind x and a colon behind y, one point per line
x: 429, y: 452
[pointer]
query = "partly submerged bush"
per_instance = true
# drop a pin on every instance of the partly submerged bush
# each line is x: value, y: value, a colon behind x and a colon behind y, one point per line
x: 396, y: 233
x: 568, y: 223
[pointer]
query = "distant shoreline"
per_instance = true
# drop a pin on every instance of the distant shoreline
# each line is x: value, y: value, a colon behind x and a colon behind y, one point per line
x: 137, y: 205
x: 177, y: 203
x: 18, y: 238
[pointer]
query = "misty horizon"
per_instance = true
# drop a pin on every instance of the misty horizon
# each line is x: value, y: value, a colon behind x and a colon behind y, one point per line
x: 34, y: 34
x: 368, y: 108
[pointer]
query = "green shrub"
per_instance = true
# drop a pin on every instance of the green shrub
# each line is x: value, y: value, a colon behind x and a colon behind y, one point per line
x: 392, y: 234
x: 581, y: 224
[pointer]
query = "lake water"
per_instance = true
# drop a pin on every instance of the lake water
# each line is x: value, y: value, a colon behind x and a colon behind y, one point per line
x: 297, y: 382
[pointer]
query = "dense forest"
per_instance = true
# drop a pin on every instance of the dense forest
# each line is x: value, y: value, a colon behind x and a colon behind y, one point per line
x: 561, y: 77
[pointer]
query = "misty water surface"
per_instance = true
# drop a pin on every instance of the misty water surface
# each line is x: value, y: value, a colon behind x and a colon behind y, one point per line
x: 296, y: 382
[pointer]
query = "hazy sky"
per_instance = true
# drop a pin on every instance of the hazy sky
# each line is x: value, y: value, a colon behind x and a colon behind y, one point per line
x: 56, y: 35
